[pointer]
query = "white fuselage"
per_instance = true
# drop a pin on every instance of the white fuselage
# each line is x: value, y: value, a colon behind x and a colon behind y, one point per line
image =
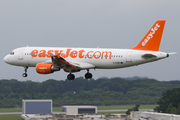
x: 50, y: 59
x: 98, y: 58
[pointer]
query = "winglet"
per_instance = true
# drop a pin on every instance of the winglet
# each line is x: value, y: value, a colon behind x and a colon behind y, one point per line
x: 152, y: 39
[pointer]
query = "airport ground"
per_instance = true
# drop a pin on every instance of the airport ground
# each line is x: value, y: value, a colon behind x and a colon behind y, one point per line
x: 115, y: 107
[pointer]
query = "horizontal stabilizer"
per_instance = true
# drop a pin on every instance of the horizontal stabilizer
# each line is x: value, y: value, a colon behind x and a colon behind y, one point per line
x: 147, y: 56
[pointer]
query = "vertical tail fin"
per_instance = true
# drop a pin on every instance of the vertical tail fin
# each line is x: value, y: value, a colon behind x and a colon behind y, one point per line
x: 152, y: 39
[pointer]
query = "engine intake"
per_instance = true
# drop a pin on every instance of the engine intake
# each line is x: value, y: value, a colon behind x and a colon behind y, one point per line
x: 45, y: 68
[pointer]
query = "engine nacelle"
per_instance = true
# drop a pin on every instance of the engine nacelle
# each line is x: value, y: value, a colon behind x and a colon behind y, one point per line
x: 45, y: 68
x: 72, y: 70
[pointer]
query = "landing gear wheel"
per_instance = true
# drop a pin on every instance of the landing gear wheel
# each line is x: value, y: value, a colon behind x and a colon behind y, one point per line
x: 25, y: 69
x: 24, y: 74
x: 70, y: 77
x: 88, y: 75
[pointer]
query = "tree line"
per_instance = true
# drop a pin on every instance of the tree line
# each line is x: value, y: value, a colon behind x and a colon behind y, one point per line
x: 102, y: 91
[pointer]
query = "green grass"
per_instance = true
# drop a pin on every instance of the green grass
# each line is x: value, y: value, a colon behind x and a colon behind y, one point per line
x: 56, y: 108
x: 10, y: 117
x: 2, y: 110
x: 148, y: 106
x: 115, y: 107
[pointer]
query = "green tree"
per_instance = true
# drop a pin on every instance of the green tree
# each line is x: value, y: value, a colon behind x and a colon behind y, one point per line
x: 169, y: 102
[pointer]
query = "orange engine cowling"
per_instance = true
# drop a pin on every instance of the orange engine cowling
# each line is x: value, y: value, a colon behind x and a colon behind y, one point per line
x: 45, y: 68
x: 72, y: 70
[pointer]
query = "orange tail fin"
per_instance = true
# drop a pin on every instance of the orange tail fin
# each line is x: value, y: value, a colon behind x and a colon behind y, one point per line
x: 152, y: 39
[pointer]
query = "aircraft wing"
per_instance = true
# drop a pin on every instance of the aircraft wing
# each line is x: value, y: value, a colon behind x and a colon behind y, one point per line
x: 63, y: 63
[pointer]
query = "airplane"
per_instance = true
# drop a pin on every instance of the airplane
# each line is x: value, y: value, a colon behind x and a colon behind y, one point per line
x: 51, y: 59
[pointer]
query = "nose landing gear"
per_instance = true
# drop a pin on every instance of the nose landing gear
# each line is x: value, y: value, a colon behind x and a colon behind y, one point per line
x: 25, y: 74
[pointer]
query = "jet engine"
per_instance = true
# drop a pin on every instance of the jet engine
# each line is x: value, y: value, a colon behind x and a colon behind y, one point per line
x: 45, y: 68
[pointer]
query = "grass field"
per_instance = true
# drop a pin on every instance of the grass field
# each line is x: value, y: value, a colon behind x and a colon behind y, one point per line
x: 2, y: 110
x: 115, y: 107
x: 10, y: 117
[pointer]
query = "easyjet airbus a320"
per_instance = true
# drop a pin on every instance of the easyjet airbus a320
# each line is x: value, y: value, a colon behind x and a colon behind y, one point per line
x: 50, y: 59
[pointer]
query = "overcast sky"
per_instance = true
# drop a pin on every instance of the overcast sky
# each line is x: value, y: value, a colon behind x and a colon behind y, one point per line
x: 89, y: 23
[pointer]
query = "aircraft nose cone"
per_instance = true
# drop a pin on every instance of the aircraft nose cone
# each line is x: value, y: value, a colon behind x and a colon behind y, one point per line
x: 6, y: 59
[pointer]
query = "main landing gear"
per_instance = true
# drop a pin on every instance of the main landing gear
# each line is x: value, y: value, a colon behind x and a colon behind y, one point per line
x: 88, y: 75
x: 72, y: 76
x: 25, y: 74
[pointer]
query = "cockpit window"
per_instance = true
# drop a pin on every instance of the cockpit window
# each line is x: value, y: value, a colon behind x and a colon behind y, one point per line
x: 12, y: 53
